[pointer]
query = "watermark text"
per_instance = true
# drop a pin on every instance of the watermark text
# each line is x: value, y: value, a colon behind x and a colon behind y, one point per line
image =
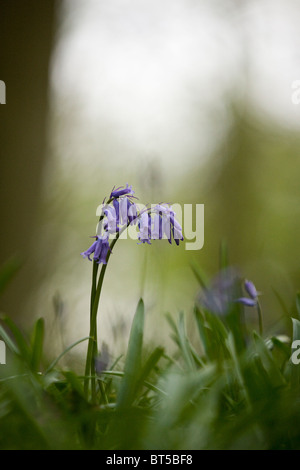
x: 2, y: 92
x: 190, y: 218
x: 2, y: 352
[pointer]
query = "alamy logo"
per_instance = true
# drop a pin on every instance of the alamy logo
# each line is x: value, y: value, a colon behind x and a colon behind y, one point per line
x: 2, y: 352
x: 191, y: 231
x: 2, y: 92
x: 295, y: 356
x: 296, y: 93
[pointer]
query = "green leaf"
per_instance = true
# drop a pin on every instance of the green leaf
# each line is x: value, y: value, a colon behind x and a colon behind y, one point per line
x: 147, y: 384
x: 180, y: 338
x: 298, y: 303
x: 53, y: 364
x: 37, y: 344
x: 8, y: 341
x: 181, y: 392
x: 296, y: 329
x: 150, y: 364
x: 283, y: 347
x: 184, y: 343
x: 213, y: 334
x: 172, y: 323
x: 224, y: 259
x: 272, y: 369
x: 281, y: 303
x: 200, y: 321
x: 133, y: 359
x: 237, y: 366
x: 74, y: 382
x: 21, y: 341
x: 7, y: 271
x: 200, y: 275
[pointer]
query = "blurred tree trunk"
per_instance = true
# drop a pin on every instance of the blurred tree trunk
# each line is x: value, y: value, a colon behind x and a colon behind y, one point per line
x: 26, y: 38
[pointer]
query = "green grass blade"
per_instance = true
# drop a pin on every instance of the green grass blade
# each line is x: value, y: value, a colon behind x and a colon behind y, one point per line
x: 224, y: 258
x: 281, y: 302
x: 74, y: 382
x: 237, y: 367
x: 298, y: 303
x: 133, y: 359
x: 200, y: 322
x: 9, y: 341
x: 150, y: 364
x: 296, y: 329
x: 7, y: 272
x: 53, y: 364
x: 199, y: 275
x: 184, y: 344
x: 147, y: 384
x: 172, y: 324
x: 20, y: 339
x: 272, y: 369
x: 37, y: 344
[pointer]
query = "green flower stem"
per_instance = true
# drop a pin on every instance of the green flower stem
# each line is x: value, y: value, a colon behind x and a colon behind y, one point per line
x: 95, y: 297
x: 93, y: 333
x: 260, y: 322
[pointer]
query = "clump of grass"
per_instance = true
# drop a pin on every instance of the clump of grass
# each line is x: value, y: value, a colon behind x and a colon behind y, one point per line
x: 239, y: 390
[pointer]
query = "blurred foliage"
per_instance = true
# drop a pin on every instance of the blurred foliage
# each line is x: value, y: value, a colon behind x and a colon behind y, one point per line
x: 250, y: 189
x: 232, y: 390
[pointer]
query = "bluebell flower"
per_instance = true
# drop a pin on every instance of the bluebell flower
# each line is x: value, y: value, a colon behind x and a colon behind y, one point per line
x: 122, y: 191
x: 157, y: 232
x: 247, y: 302
x: 117, y: 211
x: 176, y: 229
x: 251, y: 290
x: 126, y: 210
x: 131, y: 212
x: 100, y: 249
x: 122, y: 213
x: 167, y: 225
x: 110, y: 224
x: 144, y: 225
x: 102, y: 360
x: 218, y: 297
x: 90, y: 250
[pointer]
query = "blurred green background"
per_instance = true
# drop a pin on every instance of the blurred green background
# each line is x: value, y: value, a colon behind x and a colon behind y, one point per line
x: 188, y: 101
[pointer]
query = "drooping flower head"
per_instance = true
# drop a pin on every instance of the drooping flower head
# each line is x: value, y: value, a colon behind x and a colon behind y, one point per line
x: 100, y: 249
x: 117, y: 215
x: 251, y: 290
x: 125, y: 210
x: 121, y: 191
x: 102, y: 360
x: 144, y: 225
x: 219, y: 295
x: 157, y: 232
x: 166, y: 224
x: 176, y: 229
x: 90, y: 250
x: 131, y: 212
x: 121, y: 211
x: 111, y: 220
